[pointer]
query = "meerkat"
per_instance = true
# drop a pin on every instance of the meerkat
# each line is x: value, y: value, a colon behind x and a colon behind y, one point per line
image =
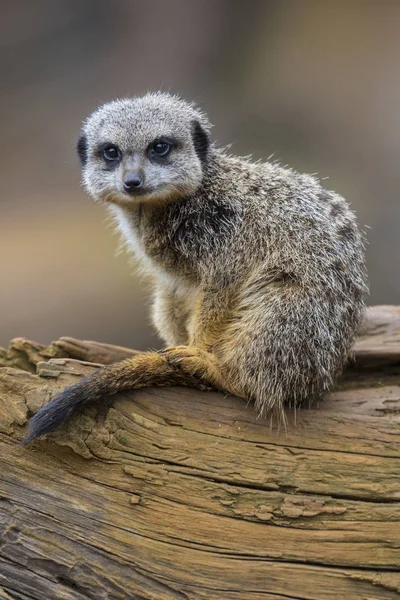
x: 258, y: 272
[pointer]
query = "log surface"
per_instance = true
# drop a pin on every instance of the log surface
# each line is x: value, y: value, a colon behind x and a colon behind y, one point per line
x: 176, y: 494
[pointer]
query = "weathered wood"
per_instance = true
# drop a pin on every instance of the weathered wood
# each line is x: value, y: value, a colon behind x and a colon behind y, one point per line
x: 178, y: 494
x: 379, y: 339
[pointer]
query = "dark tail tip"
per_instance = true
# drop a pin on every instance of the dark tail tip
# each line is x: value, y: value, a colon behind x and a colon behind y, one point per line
x: 51, y: 416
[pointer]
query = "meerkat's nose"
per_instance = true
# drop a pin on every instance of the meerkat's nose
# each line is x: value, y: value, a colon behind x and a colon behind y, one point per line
x: 133, y: 181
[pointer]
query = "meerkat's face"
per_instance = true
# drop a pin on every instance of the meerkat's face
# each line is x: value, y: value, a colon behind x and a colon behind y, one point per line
x: 152, y: 148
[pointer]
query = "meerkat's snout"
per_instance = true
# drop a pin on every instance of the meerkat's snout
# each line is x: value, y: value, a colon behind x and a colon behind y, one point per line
x: 133, y: 181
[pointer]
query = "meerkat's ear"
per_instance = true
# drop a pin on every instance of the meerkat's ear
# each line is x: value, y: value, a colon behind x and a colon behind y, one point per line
x: 81, y: 148
x: 201, y: 141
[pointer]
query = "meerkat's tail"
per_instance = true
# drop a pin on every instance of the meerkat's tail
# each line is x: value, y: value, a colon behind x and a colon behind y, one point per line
x: 145, y: 369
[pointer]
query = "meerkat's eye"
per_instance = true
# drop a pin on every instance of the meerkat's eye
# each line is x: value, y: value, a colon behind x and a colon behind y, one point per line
x: 160, y: 148
x: 111, y: 152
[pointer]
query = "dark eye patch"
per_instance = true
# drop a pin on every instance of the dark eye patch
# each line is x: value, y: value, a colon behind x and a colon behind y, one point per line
x: 161, y: 148
x: 110, y: 154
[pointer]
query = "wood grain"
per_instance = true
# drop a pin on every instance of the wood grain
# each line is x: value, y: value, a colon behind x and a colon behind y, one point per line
x: 175, y: 494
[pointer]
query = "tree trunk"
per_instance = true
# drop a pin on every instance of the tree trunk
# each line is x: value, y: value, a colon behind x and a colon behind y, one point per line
x: 176, y: 494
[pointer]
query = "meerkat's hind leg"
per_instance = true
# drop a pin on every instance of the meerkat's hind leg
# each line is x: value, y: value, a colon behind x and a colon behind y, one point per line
x: 285, y: 346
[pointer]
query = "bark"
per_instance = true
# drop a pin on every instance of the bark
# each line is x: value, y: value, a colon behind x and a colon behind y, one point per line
x: 176, y: 494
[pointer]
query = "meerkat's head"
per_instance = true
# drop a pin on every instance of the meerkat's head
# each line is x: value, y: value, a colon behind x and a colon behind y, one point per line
x: 144, y: 149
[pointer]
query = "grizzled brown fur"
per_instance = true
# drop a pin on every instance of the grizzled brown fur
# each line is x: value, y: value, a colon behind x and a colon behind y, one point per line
x: 258, y: 272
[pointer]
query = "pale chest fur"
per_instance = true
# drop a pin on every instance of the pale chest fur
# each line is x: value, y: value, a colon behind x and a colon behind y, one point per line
x: 135, y: 243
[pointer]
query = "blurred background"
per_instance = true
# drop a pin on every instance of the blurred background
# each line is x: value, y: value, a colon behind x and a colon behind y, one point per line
x: 315, y: 83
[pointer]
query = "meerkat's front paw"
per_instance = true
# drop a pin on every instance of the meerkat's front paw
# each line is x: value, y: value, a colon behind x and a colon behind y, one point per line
x: 176, y: 354
x: 193, y: 361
